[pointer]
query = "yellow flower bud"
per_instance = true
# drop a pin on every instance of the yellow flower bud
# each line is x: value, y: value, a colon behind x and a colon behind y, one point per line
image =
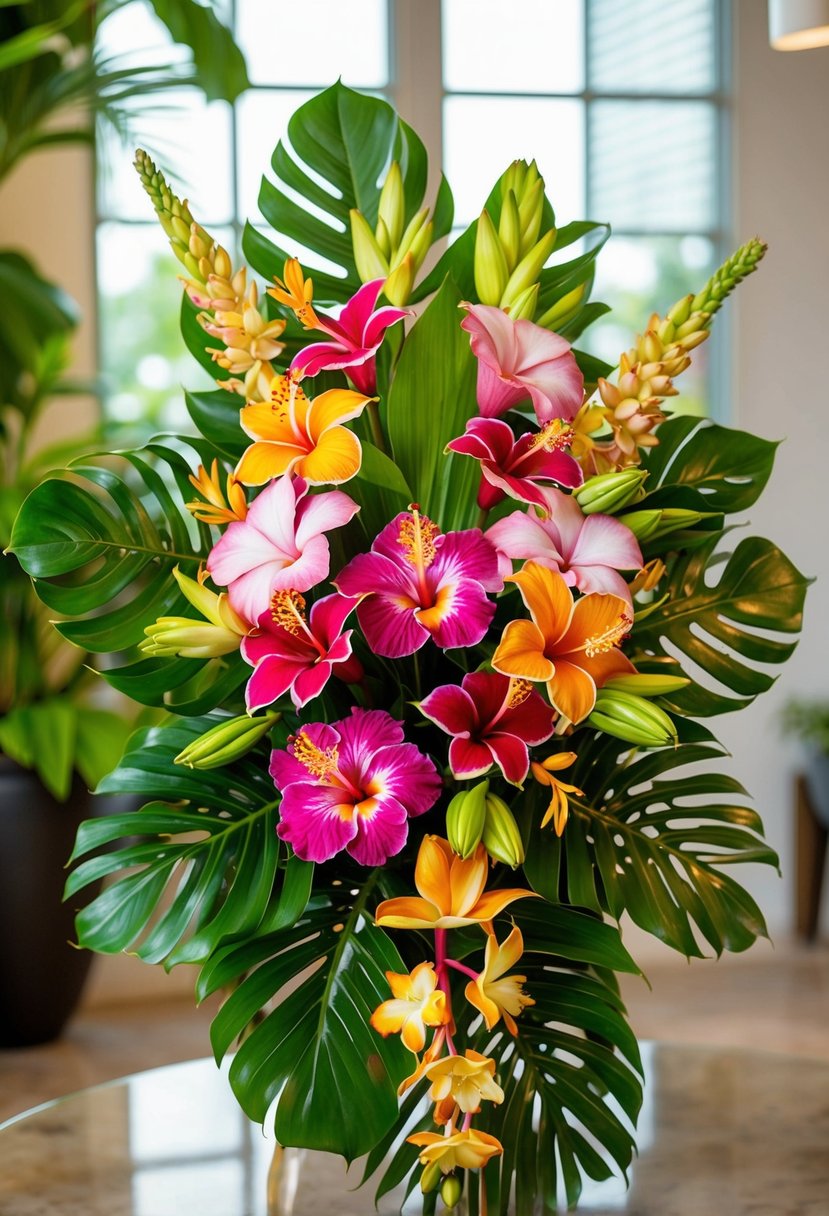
x: 610, y: 492
x: 371, y: 264
x: 644, y: 685
x: 491, y: 271
x: 565, y: 309
x: 528, y: 269
x: 451, y: 1190
x: 392, y: 208
x: 524, y: 306
x: 399, y: 284
x: 509, y: 230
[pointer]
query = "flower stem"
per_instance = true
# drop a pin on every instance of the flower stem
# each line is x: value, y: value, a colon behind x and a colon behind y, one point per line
x: 481, y: 520
x: 373, y: 409
x: 452, y: 962
x: 443, y: 983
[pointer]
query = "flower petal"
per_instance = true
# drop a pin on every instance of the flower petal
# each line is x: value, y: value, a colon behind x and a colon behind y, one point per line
x: 271, y: 679
x: 333, y: 407
x: 363, y: 733
x: 321, y: 513
x: 263, y: 461
x: 468, y: 758
x: 390, y: 626
x: 310, y: 683
x: 335, y: 459
x: 403, y: 772
x: 328, y: 616
x: 451, y: 708
x: 407, y: 912
x: 548, y: 599
x: 511, y: 755
x: 434, y: 858
x: 316, y: 821
x: 493, y: 902
x: 381, y: 832
x: 521, y: 652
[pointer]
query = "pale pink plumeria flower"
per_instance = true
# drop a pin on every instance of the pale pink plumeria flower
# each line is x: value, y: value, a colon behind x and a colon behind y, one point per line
x: 587, y: 550
x: 519, y: 359
x: 279, y: 546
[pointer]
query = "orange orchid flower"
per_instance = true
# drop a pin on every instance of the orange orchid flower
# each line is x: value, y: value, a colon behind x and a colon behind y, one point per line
x: 559, y: 808
x: 217, y: 508
x: 469, y: 1150
x: 416, y: 1003
x: 296, y: 292
x: 573, y: 646
x: 496, y: 994
x: 295, y: 435
x: 465, y: 1081
x: 451, y: 889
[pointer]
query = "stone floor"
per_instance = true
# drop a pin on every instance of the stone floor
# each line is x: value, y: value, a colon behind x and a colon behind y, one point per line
x: 771, y: 999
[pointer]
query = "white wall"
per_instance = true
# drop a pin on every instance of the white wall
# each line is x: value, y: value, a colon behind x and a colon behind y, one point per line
x: 781, y: 145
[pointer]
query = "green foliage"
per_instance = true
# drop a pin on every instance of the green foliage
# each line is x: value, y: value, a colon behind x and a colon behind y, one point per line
x: 652, y: 837
x: 219, y: 66
x: 340, y: 1078
x: 218, y: 886
x: 809, y: 722
x: 348, y: 140
x: 54, y: 736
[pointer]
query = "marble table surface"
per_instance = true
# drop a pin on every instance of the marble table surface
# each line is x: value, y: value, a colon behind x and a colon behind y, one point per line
x: 722, y: 1133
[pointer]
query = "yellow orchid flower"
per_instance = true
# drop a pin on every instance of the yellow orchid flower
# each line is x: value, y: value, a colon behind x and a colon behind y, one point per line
x: 296, y: 292
x: 495, y: 993
x: 559, y: 808
x: 469, y: 1150
x: 466, y: 1080
x: 295, y: 435
x: 451, y: 889
x: 416, y: 1003
x: 217, y: 508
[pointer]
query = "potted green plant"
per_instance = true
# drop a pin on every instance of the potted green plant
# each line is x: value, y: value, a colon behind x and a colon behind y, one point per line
x: 57, y: 737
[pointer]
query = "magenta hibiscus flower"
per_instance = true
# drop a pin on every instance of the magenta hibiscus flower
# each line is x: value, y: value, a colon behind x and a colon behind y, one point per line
x: 513, y: 466
x: 355, y: 339
x: 492, y: 718
x: 293, y: 654
x: 279, y: 546
x: 421, y: 583
x: 352, y: 785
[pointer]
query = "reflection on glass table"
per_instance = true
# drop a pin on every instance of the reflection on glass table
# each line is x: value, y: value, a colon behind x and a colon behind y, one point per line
x: 725, y: 1132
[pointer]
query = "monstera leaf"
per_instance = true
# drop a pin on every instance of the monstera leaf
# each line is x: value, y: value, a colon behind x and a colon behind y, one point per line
x: 573, y: 1060
x: 101, y: 540
x: 214, y: 888
x: 339, y: 147
x: 653, y: 839
x: 725, y: 628
x: 335, y: 1076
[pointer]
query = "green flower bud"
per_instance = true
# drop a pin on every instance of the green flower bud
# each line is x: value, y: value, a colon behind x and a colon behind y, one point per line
x: 367, y: 253
x: 650, y: 525
x: 398, y: 286
x: 564, y: 310
x: 392, y: 208
x: 227, y: 741
x: 421, y: 244
x: 491, y: 270
x: 465, y: 818
x: 381, y: 235
x: 413, y: 230
x: 509, y: 230
x: 430, y: 1177
x: 501, y: 837
x: 608, y: 493
x: 451, y: 1190
x: 632, y: 719
x: 524, y: 306
x: 528, y: 269
x: 644, y: 685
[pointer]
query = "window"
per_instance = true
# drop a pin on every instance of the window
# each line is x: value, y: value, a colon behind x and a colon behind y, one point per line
x: 624, y: 110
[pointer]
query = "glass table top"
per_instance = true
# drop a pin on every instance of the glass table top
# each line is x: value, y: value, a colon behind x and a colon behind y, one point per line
x: 722, y: 1133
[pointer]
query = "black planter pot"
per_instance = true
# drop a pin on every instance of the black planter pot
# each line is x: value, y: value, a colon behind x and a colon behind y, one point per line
x: 41, y: 974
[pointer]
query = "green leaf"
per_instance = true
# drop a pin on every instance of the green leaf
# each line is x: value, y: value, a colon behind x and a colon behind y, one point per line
x: 212, y: 889
x: 433, y: 393
x: 216, y: 414
x: 381, y: 490
x: 42, y: 737
x: 340, y: 144
x: 651, y: 837
x: 101, y: 540
x: 725, y: 629
x: 315, y: 1049
x: 99, y: 743
x: 728, y: 468
x: 219, y: 64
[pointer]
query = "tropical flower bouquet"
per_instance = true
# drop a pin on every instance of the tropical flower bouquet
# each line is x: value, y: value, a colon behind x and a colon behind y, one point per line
x: 434, y: 602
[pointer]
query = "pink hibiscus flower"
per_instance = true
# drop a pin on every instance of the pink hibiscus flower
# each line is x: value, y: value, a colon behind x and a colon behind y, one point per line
x: 355, y: 339
x: 492, y: 719
x: 352, y: 785
x: 293, y: 654
x: 519, y: 359
x: 513, y: 466
x: 279, y: 546
x: 420, y: 583
x: 587, y: 550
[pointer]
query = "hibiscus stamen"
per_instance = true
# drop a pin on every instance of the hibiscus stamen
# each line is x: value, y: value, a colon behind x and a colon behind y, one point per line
x: 614, y: 635
x: 417, y: 537
x: 319, y: 762
x: 285, y: 391
x: 288, y: 611
x: 555, y: 436
x: 519, y: 690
